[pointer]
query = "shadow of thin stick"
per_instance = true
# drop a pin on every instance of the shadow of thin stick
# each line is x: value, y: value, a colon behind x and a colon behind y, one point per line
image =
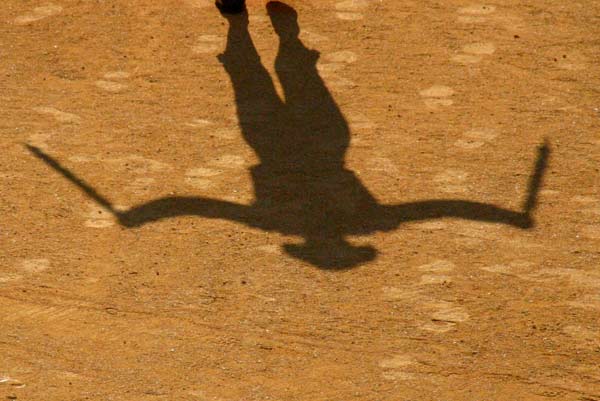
x: 535, y: 181
x: 91, y: 192
x: 157, y: 209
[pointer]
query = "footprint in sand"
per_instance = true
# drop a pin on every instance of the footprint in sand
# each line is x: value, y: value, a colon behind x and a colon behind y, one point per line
x: 229, y: 161
x: 25, y: 267
x: 6, y: 277
x: 329, y: 69
x: 335, y: 62
x: 584, y: 199
x: 208, y: 44
x: 589, y: 204
x: 477, y: 9
x: 130, y: 164
x: 452, y: 181
x: 312, y: 38
x: 435, y: 272
x: 576, y: 277
x: 351, y: 10
x: 435, y: 279
x: 343, y: 56
x: 475, y: 14
x: 340, y: 83
x: 382, y: 164
x: 198, y: 123
x: 39, y: 140
x: 498, y: 269
x: 270, y: 249
x: 141, y: 185
x: 200, y: 3
x: 239, y: 196
x: 258, y: 19
x: 398, y: 367
x: 466, y: 58
x: 438, y: 266
x: 430, y: 225
x: 38, y: 13
x: 110, y: 84
x: 480, y: 48
x: 358, y: 121
x: 444, y: 316
x: 474, y: 52
x: 60, y: 116
x: 474, y: 234
x: 13, y: 383
x: 34, y: 265
x: 200, y: 177
x: 476, y: 138
x: 437, y: 96
x: 549, y: 192
x: 403, y: 294
x: 117, y: 75
x: 226, y: 133
x: 517, y: 268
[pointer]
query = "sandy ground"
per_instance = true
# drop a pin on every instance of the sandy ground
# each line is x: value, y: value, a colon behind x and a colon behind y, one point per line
x: 391, y: 230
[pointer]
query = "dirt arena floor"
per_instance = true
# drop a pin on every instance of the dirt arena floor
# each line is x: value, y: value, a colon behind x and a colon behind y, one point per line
x: 380, y: 200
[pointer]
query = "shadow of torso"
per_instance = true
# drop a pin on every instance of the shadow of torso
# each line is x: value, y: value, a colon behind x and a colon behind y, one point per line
x: 301, y: 184
x: 301, y: 141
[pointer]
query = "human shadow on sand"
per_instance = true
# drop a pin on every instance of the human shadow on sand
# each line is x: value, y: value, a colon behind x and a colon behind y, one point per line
x: 301, y: 185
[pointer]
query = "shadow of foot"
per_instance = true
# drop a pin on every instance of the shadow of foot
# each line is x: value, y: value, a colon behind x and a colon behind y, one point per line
x: 230, y: 6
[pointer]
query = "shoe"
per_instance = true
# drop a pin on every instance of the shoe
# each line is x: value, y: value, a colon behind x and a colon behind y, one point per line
x: 230, y: 6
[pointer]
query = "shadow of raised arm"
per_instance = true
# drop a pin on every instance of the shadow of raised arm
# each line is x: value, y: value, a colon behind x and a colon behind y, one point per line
x: 165, y: 208
x: 468, y: 210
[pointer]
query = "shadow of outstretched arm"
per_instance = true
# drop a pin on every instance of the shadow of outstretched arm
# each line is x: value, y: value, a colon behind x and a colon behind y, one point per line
x: 458, y: 209
x: 165, y: 208
x: 158, y: 209
x: 468, y: 210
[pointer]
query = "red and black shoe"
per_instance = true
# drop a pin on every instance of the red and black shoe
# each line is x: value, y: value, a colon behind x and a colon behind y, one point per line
x: 231, y: 6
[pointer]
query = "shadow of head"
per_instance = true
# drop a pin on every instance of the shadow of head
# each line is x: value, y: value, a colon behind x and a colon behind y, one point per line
x: 331, y: 255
